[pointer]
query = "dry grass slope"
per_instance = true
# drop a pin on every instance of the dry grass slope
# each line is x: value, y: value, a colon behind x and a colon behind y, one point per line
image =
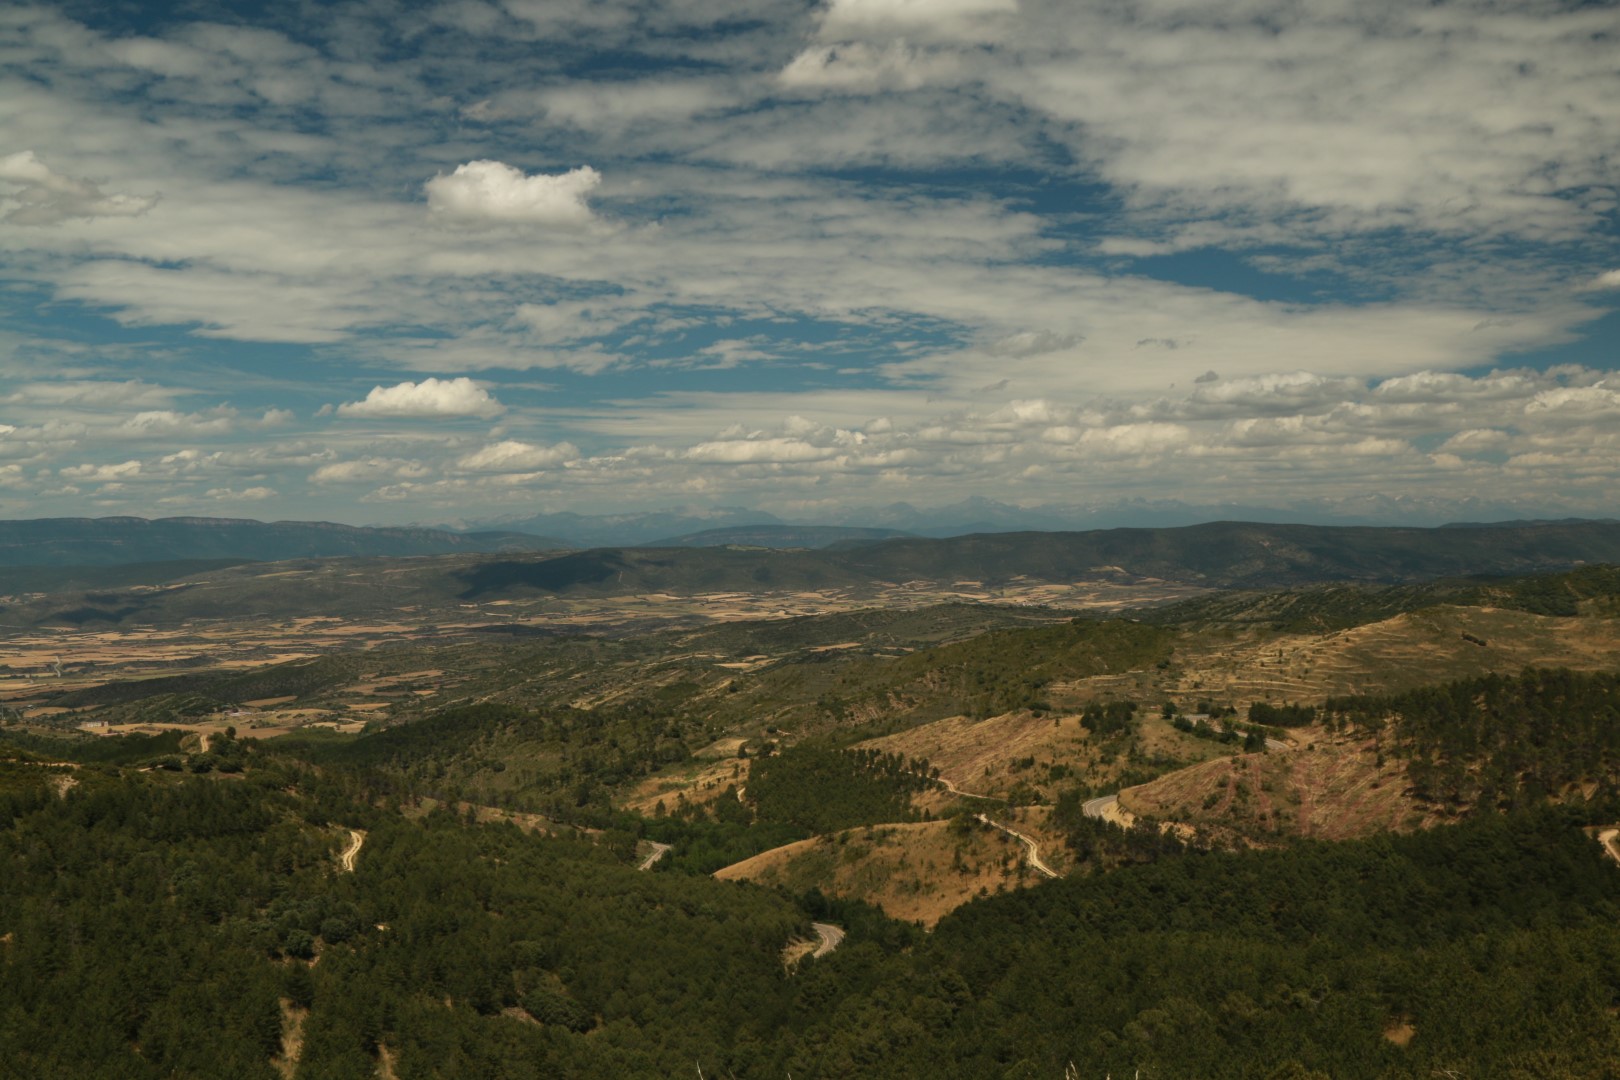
x: 916, y: 871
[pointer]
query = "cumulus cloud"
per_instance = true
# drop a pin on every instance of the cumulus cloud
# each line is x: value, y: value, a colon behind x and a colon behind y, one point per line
x: 492, y: 192
x: 514, y: 455
x: 430, y: 397
x: 167, y: 423
x: 252, y: 494
x: 1609, y: 279
x: 372, y: 469
x: 1587, y: 400
x: 46, y: 197
x: 771, y: 451
x: 101, y: 474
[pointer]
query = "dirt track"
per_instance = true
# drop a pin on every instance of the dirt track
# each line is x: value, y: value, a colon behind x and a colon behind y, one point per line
x: 357, y: 837
x: 658, y: 852
x: 831, y: 937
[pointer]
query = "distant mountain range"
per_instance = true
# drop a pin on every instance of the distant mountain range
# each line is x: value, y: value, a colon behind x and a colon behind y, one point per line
x: 119, y: 540
x: 1219, y: 555
x: 675, y: 527
x: 780, y: 536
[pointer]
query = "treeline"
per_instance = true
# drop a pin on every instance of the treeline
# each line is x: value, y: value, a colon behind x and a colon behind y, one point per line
x: 107, y: 749
x: 823, y: 791
x: 1252, y: 738
x: 1290, y: 715
x: 1003, y: 671
x: 1105, y: 719
x: 1594, y: 589
x: 1498, y: 740
x: 552, y: 760
x: 296, y: 678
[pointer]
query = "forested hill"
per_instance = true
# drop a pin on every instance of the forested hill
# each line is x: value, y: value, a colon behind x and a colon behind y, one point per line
x: 1228, y: 554
x: 160, y: 924
x: 1592, y: 589
x: 117, y: 540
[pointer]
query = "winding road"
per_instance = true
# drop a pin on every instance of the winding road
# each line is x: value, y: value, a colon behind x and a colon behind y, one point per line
x: 357, y: 837
x: 953, y: 789
x: 1107, y: 808
x: 831, y: 937
x: 658, y: 852
x: 1033, y: 856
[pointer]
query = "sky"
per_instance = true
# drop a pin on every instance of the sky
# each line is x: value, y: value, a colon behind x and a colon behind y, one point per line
x: 384, y: 262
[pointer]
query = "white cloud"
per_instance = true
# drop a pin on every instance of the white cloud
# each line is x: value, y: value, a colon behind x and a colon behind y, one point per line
x: 857, y: 66
x: 74, y: 393
x: 1609, y: 279
x: 492, y: 192
x: 101, y: 474
x: 758, y: 452
x: 47, y: 197
x: 513, y: 455
x: 430, y: 397
x: 941, y: 17
x: 252, y: 494
x: 167, y: 423
x: 1474, y: 440
x: 369, y: 469
x: 1587, y: 400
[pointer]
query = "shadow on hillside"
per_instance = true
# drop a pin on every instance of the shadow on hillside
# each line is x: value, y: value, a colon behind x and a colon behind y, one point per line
x: 548, y: 575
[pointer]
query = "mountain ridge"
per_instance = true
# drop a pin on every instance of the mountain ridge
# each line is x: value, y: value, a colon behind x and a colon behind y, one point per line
x: 118, y: 540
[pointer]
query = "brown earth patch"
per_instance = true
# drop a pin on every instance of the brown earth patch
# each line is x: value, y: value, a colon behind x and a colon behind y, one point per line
x: 978, y: 755
x: 690, y: 782
x: 916, y: 871
x: 721, y: 748
x: 292, y: 1038
x: 1400, y: 653
x: 1336, y: 791
x: 1399, y: 1031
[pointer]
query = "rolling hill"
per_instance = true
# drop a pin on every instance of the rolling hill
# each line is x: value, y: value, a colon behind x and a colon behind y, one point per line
x: 1219, y: 556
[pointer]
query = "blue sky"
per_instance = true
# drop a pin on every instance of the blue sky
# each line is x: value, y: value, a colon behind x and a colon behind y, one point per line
x: 382, y: 262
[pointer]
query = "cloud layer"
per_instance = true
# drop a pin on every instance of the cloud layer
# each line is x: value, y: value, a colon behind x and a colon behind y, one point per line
x: 866, y: 249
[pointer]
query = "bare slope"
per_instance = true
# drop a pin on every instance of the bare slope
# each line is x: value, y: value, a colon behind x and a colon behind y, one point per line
x: 917, y: 871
